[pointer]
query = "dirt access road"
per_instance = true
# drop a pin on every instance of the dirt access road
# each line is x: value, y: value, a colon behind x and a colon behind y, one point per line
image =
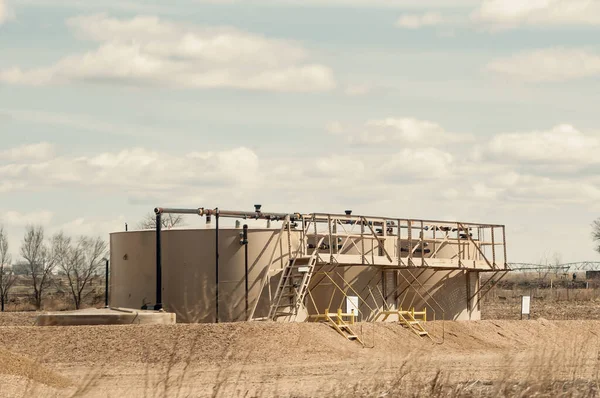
x: 489, y: 358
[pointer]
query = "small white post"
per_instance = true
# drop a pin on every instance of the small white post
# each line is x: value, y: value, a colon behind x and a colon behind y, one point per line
x: 525, y: 306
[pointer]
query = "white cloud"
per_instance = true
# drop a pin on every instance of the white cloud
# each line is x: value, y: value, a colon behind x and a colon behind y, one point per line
x: 12, y: 186
x: 129, y: 6
x: 416, y: 21
x: 340, y: 166
x: 150, y: 51
x: 346, y: 171
x: 357, y: 89
x: 6, y: 13
x: 561, y: 144
x: 18, y: 219
x: 525, y: 188
x: 335, y: 127
x: 38, y: 151
x: 82, y: 122
x: 3, y: 12
x: 408, y: 131
x: 509, y: 164
x: 483, y: 191
x: 512, y: 13
x: 354, y: 3
x: 426, y: 163
x: 548, y: 65
x: 550, y: 191
x: 135, y: 171
x: 91, y: 226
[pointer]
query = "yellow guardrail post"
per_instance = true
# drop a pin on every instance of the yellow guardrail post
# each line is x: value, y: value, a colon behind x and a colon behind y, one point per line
x: 425, y: 314
x: 352, y: 316
x: 339, y: 314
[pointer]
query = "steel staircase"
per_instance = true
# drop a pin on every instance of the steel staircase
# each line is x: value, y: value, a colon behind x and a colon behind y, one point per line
x: 336, y: 321
x: 293, y: 285
x: 407, y: 319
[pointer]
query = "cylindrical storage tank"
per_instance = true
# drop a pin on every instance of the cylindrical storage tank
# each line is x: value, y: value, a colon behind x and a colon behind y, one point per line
x: 452, y: 290
x: 132, y: 269
x: 189, y: 271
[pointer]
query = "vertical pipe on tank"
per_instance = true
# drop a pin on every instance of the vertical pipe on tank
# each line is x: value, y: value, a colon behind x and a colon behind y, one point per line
x: 245, y: 240
x: 158, y: 305
x: 106, y: 284
x: 217, y: 264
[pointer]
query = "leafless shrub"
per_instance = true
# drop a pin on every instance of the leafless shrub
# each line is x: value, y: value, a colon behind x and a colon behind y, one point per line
x: 7, y: 276
x: 80, y: 262
x: 596, y: 233
x: 167, y: 221
x: 40, y: 259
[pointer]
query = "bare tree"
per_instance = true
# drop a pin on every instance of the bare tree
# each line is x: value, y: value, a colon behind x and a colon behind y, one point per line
x: 80, y: 263
x: 167, y: 221
x: 7, y: 276
x: 40, y: 259
x: 596, y: 233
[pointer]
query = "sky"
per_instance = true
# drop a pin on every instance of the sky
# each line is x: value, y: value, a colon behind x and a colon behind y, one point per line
x: 472, y: 110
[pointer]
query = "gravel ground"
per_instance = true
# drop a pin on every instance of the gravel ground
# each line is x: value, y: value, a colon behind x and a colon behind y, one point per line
x: 18, y: 318
x: 18, y: 365
x: 542, y: 308
x: 295, y: 360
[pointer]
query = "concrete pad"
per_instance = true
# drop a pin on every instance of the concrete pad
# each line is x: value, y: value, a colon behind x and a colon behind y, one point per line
x: 105, y: 316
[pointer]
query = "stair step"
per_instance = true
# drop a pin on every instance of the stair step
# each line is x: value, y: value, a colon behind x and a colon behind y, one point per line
x: 286, y: 284
x: 423, y: 333
x: 351, y: 337
x: 293, y: 285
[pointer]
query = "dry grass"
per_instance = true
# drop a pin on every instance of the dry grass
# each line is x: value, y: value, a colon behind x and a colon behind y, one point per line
x: 487, y: 358
x: 554, y: 296
x: 549, y: 372
x: 57, y: 297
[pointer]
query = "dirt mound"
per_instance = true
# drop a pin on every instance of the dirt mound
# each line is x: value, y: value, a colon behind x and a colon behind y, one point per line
x: 20, y: 386
x: 18, y: 318
x: 20, y: 366
x: 269, y: 342
x: 246, y: 342
x: 302, y: 359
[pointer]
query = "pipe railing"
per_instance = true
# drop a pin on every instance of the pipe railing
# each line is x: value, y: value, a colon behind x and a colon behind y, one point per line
x: 379, y: 228
x: 319, y: 217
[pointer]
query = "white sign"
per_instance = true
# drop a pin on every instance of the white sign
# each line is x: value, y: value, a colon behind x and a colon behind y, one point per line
x: 525, y: 304
x: 352, y: 305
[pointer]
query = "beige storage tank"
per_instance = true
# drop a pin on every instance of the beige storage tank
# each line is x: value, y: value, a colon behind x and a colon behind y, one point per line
x: 188, y: 271
x: 445, y: 294
x: 189, y: 280
x: 450, y: 293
